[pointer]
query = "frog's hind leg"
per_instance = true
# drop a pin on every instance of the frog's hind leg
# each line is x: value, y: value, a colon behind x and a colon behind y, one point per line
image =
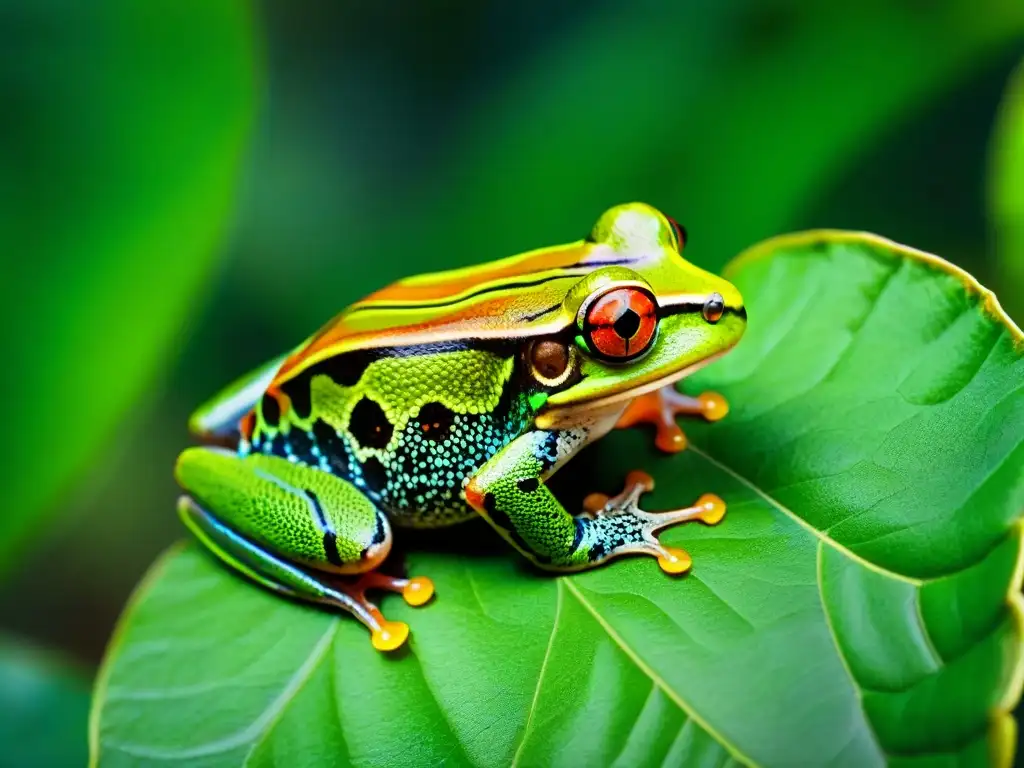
x: 661, y: 407
x: 296, y: 530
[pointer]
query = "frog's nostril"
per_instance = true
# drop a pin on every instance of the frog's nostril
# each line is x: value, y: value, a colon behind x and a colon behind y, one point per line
x: 714, y: 307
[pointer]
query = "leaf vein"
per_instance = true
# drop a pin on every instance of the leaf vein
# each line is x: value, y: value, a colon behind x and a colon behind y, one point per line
x: 543, y: 670
x: 672, y: 694
x: 259, y: 726
x: 803, y: 523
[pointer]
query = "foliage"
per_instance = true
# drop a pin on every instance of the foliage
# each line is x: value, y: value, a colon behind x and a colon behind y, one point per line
x: 114, y: 191
x: 1007, y: 192
x: 857, y: 606
x: 651, y: 145
x: 43, y: 703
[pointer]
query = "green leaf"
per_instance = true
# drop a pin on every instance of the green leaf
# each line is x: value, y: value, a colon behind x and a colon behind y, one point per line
x: 858, y: 606
x: 1006, y: 193
x: 116, y: 183
x: 44, y: 706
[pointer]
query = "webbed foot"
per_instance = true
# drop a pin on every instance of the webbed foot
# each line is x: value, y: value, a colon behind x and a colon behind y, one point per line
x: 386, y: 635
x: 252, y: 511
x: 661, y: 407
x: 627, y: 529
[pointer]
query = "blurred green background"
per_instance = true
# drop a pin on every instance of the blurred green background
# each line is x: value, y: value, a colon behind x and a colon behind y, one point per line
x: 188, y: 188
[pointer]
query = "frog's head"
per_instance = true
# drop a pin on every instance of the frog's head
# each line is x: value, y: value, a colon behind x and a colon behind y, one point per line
x: 644, y: 318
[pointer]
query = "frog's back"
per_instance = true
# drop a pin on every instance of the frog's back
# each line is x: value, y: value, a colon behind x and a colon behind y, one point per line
x: 412, y: 389
x: 511, y: 298
x: 498, y: 300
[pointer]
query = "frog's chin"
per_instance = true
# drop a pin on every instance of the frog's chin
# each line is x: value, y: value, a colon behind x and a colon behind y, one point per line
x: 585, y: 411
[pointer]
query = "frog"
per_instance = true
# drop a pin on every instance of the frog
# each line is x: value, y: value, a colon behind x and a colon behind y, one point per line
x: 456, y: 395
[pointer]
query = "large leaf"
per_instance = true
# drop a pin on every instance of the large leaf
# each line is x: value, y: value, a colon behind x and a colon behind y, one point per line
x: 857, y: 606
x: 116, y: 182
x: 44, y: 705
x: 1006, y: 193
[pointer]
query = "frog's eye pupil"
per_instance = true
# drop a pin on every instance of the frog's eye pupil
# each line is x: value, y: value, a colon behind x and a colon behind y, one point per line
x: 714, y: 308
x: 620, y: 324
x: 628, y: 323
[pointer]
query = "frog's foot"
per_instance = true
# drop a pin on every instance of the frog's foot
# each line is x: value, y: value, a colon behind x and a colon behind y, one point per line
x: 386, y: 635
x: 623, y: 528
x: 661, y: 407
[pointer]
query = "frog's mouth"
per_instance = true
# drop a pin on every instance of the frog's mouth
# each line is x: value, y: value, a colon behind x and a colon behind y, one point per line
x: 554, y: 416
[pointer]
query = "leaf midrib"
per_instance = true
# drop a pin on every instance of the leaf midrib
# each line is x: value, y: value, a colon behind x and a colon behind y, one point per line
x: 822, y: 537
x: 655, y: 678
x: 543, y: 670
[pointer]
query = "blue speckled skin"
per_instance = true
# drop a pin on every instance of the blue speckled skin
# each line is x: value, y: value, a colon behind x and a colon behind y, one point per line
x: 410, y: 430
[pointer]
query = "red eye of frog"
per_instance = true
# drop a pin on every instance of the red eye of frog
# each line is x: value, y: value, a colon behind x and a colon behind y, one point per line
x: 620, y: 324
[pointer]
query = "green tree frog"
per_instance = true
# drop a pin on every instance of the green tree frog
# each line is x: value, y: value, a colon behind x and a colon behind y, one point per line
x: 456, y: 394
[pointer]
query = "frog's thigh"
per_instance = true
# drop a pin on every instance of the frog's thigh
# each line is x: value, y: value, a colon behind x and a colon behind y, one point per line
x: 262, y: 566
x: 263, y: 516
x: 302, y: 514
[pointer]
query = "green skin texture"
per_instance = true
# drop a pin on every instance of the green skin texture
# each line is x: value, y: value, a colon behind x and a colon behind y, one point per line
x: 269, y: 499
x: 284, y: 519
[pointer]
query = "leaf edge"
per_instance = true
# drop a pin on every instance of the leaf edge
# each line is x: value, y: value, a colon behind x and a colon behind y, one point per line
x: 989, y: 301
x: 110, y: 652
x: 1002, y: 735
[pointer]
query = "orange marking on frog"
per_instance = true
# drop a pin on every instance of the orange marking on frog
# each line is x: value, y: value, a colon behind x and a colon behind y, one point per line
x: 247, y: 424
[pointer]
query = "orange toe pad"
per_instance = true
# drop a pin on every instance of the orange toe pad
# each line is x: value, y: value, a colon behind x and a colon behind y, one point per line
x: 675, y: 561
x: 390, y: 636
x: 714, y: 509
x: 418, y: 591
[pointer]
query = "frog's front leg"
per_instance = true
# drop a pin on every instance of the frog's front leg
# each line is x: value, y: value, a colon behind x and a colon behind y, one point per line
x: 289, y: 527
x: 510, y: 493
x: 661, y: 407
